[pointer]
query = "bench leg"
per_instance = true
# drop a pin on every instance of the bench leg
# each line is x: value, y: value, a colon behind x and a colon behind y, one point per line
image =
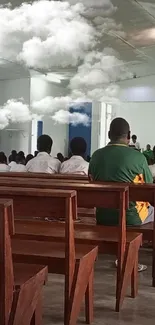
x: 89, y: 298
x: 153, y: 268
x: 125, y: 276
x: 37, y: 316
x: 134, y: 279
x: 82, y: 282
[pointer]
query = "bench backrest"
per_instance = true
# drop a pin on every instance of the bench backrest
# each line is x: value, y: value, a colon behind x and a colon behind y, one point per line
x: 32, y: 201
x: 89, y: 195
x: 44, y: 176
x: 6, y: 264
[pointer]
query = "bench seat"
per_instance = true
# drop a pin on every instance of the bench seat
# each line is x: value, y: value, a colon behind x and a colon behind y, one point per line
x: 84, y: 234
x: 24, y: 272
x: 48, y: 253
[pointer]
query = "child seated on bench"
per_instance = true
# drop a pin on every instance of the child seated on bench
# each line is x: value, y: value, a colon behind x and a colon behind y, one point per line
x: 76, y: 164
x: 43, y: 162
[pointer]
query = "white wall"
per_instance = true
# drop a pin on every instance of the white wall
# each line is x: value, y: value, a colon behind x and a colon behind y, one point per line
x: 59, y: 132
x: 138, y: 108
x: 138, y: 90
x: 18, y: 140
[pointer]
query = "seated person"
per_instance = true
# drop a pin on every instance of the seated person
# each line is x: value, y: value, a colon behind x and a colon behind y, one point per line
x: 43, y: 162
x: 12, y: 158
x: 60, y: 157
x: 118, y: 163
x: 3, y: 163
x: 28, y: 158
x: 134, y: 142
x: 76, y: 164
x: 19, y: 165
x: 148, y: 153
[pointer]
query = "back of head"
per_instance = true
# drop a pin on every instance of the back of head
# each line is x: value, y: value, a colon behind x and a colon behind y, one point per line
x: 3, y: 159
x: 134, y: 138
x: 119, y: 130
x: 60, y: 157
x: 21, y: 154
x: 148, y: 147
x: 28, y: 158
x: 35, y: 153
x: 44, y: 143
x: 78, y: 146
x: 20, y: 159
x: 13, y: 155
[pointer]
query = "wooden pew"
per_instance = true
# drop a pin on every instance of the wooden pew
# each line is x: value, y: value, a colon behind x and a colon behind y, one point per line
x: 110, y: 240
x: 76, y: 262
x: 137, y: 192
x: 45, y: 176
x: 20, y: 284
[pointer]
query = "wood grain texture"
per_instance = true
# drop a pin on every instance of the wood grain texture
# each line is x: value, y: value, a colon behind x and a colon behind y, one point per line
x: 20, y: 285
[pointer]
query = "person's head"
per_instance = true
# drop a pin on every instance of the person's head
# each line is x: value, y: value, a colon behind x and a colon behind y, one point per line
x: 134, y: 138
x: 119, y: 131
x: 44, y: 143
x: 88, y: 158
x: 13, y: 155
x: 3, y: 159
x: 20, y: 159
x: 78, y: 146
x: 148, y: 147
x: 21, y: 154
x: 35, y: 153
x: 28, y: 157
x: 60, y: 157
x: 13, y: 152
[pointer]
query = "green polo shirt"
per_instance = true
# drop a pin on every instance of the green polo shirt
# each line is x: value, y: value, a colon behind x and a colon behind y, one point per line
x: 119, y: 163
x: 148, y: 154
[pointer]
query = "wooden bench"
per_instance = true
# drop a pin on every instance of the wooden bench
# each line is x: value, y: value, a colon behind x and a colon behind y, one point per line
x: 113, y: 241
x: 45, y: 176
x: 76, y: 262
x: 137, y: 192
x: 20, y: 284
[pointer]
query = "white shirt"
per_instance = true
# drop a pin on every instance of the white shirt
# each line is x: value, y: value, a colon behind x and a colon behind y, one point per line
x: 43, y: 163
x: 12, y: 163
x: 18, y: 168
x: 75, y: 165
x: 4, y: 168
x: 152, y: 169
x: 136, y: 144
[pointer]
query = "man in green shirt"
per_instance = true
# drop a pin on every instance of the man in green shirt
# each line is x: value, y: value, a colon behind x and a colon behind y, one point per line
x: 117, y: 162
x: 148, y: 153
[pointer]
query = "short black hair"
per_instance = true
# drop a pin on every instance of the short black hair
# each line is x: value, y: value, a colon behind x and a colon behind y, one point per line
x: 44, y: 143
x: 28, y: 157
x: 21, y: 154
x: 3, y: 159
x: 20, y: 159
x: 134, y: 136
x: 119, y: 128
x: 13, y: 156
x: 78, y: 146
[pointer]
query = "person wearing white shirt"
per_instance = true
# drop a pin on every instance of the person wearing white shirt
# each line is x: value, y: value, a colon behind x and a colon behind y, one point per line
x: 3, y: 163
x: 43, y: 162
x: 76, y: 164
x: 19, y: 165
x: 152, y: 169
x: 12, y: 158
x: 134, y: 142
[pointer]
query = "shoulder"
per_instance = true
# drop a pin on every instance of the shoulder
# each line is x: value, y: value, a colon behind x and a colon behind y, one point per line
x: 98, y: 152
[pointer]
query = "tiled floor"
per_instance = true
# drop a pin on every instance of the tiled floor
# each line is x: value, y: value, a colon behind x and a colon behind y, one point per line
x: 137, y: 311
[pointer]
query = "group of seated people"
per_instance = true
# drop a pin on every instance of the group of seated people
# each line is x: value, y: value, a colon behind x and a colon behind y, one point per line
x: 116, y: 162
x: 43, y: 162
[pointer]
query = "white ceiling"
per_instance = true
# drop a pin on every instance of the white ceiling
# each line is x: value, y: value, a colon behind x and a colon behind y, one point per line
x: 137, y: 48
